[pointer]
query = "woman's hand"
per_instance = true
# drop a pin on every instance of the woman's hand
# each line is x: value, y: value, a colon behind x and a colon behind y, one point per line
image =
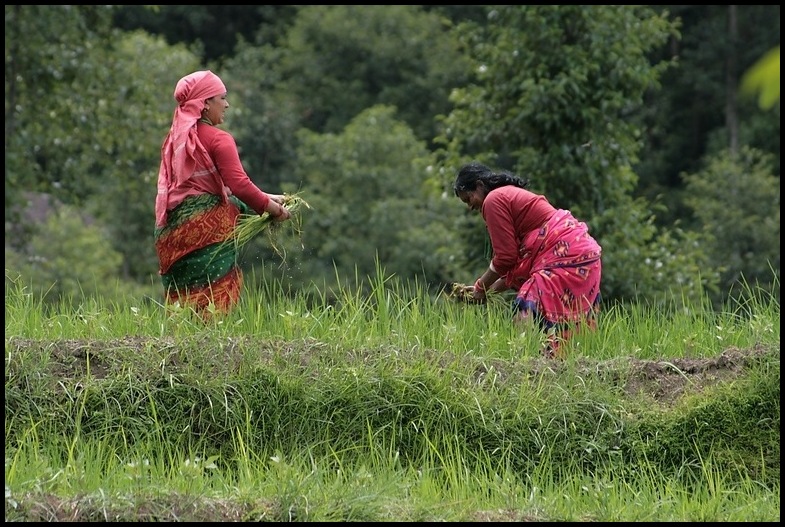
x: 276, y: 209
x: 283, y: 214
x: 478, y: 291
x: 278, y: 198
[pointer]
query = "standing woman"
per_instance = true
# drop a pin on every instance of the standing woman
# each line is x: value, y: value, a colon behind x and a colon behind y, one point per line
x: 543, y: 253
x: 202, y: 189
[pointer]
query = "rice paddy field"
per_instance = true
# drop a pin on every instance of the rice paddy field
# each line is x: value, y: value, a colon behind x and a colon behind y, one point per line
x: 387, y: 403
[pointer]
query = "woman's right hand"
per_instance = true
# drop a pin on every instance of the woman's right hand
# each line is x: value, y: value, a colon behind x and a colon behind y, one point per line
x: 278, y: 198
x: 281, y: 214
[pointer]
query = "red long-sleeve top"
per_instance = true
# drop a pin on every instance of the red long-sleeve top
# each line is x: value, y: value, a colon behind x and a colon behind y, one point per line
x: 510, y: 213
x: 222, y: 148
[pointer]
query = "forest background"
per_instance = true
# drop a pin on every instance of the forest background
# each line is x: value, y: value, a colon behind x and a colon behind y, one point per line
x: 634, y: 117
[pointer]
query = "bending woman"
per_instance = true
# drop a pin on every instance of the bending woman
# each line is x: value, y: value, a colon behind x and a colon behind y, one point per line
x: 543, y: 253
x: 202, y: 189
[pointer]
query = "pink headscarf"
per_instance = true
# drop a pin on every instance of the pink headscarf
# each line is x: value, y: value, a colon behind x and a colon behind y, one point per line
x: 182, y: 153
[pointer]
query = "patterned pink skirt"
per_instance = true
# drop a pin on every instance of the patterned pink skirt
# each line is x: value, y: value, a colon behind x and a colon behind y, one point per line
x: 558, y: 277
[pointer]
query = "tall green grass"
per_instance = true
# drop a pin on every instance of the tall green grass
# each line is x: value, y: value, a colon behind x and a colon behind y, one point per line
x: 385, y: 402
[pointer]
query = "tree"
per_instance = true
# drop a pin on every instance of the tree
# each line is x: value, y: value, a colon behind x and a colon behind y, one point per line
x: 699, y: 112
x: 49, y: 263
x: 736, y: 201
x: 213, y: 29
x: 369, y: 203
x: 557, y: 97
x: 49, y: 92
x: 330, y: 65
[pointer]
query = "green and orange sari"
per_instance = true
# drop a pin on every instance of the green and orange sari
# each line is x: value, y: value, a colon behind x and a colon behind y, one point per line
x: 198, y: 262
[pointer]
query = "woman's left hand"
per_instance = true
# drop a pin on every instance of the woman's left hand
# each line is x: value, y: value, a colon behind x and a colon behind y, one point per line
x: 478, y: 291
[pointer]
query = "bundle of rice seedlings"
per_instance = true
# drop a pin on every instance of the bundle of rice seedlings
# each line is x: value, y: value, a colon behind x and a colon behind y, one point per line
x: 249, y: 226
x: 461, y: 293
x: 464, y: 293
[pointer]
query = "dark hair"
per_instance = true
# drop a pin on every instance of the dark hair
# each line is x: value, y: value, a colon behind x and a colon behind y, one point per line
x: 473, y: 173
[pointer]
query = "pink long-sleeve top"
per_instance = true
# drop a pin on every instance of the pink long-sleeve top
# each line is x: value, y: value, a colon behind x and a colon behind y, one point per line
x: 222, y: 148
x: 510, y: 213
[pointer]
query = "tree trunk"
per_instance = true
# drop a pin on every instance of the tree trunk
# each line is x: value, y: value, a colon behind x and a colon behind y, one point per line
x: 732, y: 81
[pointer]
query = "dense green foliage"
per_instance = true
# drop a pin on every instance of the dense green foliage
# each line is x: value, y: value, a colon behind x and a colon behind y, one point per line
x: 62, y: 240
x: 700, y: 112
x: 360, y: 205
x: 736, y: 200
x: 606, y: 108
